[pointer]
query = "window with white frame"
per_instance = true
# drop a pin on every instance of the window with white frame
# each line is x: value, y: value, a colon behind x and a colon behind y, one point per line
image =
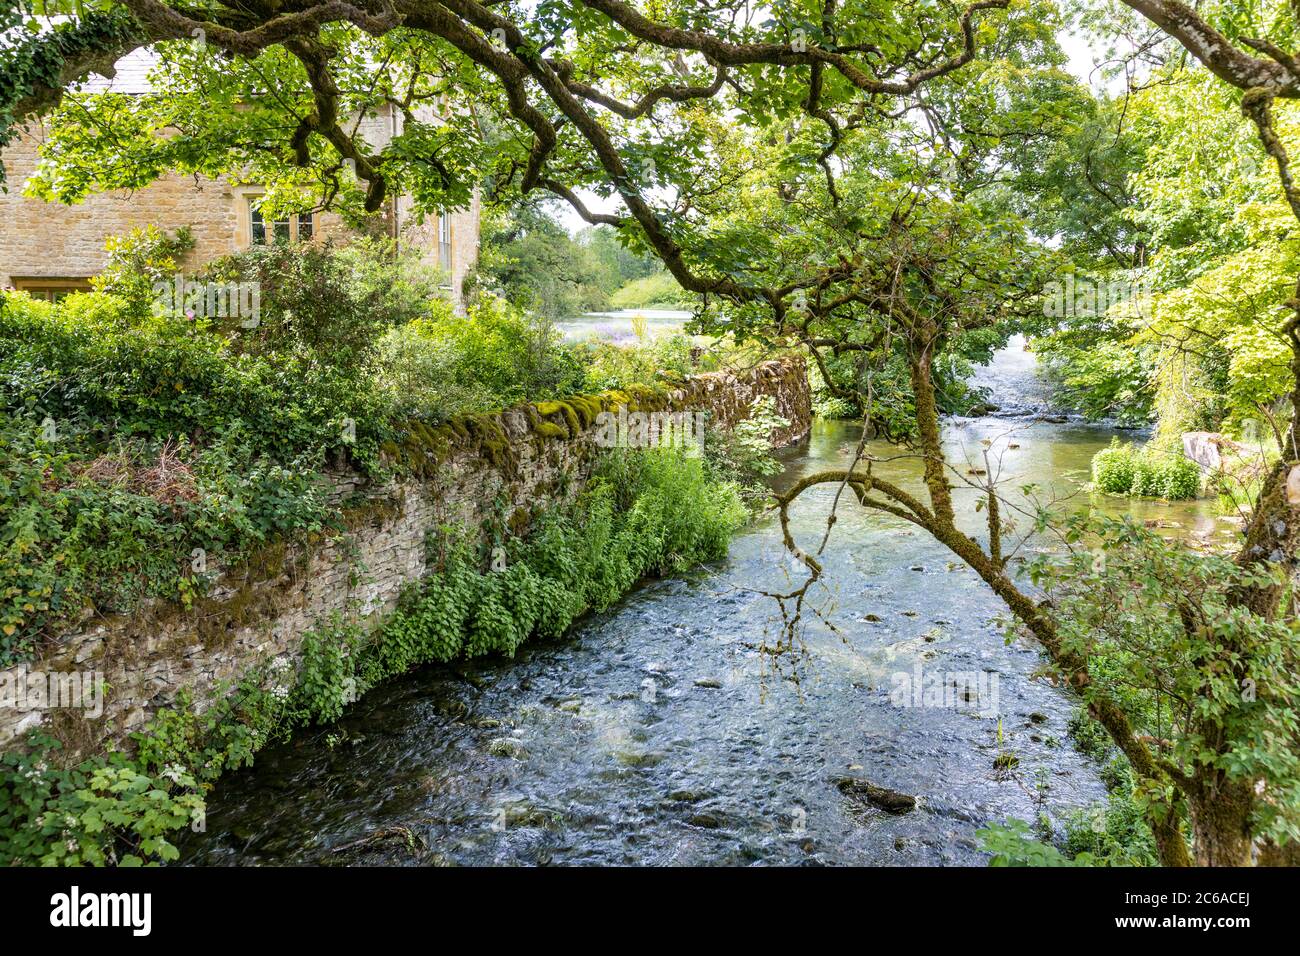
x: 444, y: 241
x: 299, y: 228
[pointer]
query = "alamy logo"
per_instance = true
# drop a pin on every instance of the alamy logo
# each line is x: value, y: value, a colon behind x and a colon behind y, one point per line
x: 950, y: 690
x: 42, y: 690
x: 1085, y: 297
x: 103, y: 909
x: 651, y: 430
x: 210, y: 300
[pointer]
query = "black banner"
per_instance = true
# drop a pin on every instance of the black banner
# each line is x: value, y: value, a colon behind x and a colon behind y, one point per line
x: 142, y: 908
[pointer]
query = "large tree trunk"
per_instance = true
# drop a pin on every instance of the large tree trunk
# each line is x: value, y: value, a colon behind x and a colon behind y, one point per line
x: 1273, y: 535
x: 1270, y: 854
x: 1221, y: 823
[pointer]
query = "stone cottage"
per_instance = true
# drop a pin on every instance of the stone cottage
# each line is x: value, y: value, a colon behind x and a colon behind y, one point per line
x: 49, y: 249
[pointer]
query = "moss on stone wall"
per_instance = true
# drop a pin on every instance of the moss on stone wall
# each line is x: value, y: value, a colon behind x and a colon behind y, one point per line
x: 524, y: 457
x: 423, y: 448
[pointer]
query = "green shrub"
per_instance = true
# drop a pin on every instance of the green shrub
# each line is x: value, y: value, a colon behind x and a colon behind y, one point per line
x: 494, y: 356
x: 1116, y: 834
x: 1089, y: 735
x: 1113, y: 468
x: 835, y: 408
x: 139, y: 260
x: 326, y: 680
x: 221, y: 737
x: 1148, y: 477
x: 130, y: 441
x: 429, y: 624
x: 1122, y: 471
x: 328, y: 306
x: 1181, y: 479
x: 90, y: 528
x: 421, y: 376
x: 534, y: 262
x: 93, y: 363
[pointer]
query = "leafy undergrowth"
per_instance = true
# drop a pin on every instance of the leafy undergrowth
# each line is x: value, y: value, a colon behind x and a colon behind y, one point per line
x: 1153, y: 618
x: 658, y: 512
x: 143, y: 449
x: 644, y: 512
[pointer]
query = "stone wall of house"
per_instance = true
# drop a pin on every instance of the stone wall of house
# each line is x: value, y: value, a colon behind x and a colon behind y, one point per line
x: 50, y: 240
x: 257, y: 613
x: 422, y: 233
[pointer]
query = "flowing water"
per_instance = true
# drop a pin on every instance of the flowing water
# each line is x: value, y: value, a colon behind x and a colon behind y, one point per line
x: 658, y: 732
x: 620, y: 325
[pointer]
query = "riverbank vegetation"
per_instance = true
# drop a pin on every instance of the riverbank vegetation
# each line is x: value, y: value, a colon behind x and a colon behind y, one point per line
x: 643, y: 513
x: 146, y: 449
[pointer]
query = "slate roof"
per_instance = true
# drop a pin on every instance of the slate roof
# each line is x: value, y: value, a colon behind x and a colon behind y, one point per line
x: 132, y: 75
x: 132, y: 71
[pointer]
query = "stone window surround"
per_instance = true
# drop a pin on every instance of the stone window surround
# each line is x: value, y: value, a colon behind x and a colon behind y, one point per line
x: 45, y: 287
x: 244, y: 195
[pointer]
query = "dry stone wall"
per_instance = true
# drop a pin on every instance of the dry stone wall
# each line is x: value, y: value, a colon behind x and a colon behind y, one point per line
x: 257, y: 614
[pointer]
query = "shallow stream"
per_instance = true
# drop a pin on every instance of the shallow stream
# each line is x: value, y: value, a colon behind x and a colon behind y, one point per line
x: 659, y: 733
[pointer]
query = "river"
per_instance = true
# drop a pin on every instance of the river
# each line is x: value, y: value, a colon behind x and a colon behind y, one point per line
x: 659, y: 733
x: 619, y: 326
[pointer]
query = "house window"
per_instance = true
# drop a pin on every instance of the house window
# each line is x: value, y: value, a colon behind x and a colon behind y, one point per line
x: 299, y: 228
x: 444, y: 242
x: 51, y: 290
